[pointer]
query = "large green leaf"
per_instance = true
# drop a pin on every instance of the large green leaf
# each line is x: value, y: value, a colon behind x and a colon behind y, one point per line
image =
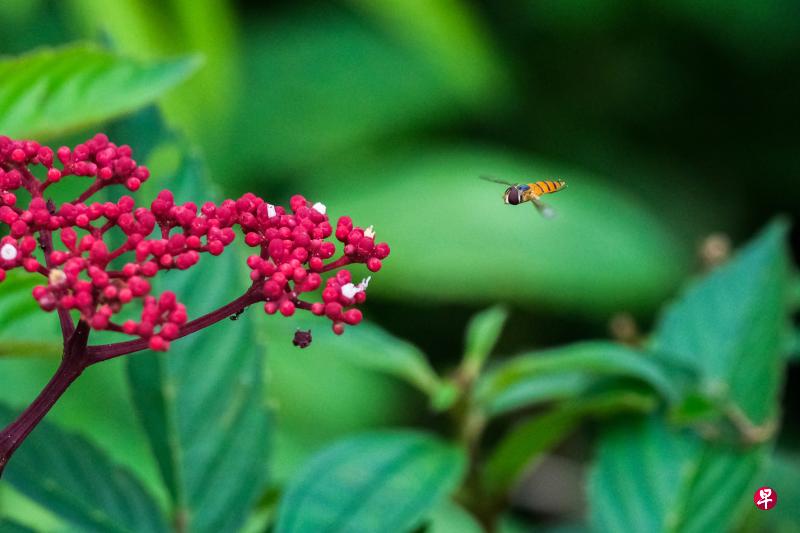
x: 52, y: 91
x: 649, y: 477
x: 730, y: 326
x: 72, y: 478
x: 453, y: 239
x: 568, y: 372
x: 150, y: 31
x: 382, y: 482
x: 202, y: 403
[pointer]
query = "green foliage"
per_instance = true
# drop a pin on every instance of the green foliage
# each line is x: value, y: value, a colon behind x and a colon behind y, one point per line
x: 202, y: 404
x: 569, y: 372
x: 449, y: 517
x: 483, y: 332
x: 386, y: 481
x: 388, y: 112
x: 733, y: 326
x: 729, y: 326
x: 48, y: 92
x: 523, y: 446
x: 9, y: 526
x: 74, y: 479
x: 150, y: 31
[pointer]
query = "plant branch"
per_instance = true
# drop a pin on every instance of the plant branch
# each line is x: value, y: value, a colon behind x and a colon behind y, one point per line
x: 109, y: 351
x: 73, y: 363
x: 46, y: 242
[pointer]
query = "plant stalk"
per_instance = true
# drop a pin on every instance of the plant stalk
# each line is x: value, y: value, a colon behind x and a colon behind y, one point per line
x: 73, y: 363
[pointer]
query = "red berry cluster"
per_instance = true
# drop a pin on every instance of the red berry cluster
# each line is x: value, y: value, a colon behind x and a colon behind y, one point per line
x: 87, y: 276
x: 292, y: 257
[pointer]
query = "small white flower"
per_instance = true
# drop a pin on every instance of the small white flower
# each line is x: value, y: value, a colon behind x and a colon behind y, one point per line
x: 8, y: 252
x: 57, y: 277
x: 369, y: 233
x: 270, y: 211
x: 349, y: 290
x: 319, y: 207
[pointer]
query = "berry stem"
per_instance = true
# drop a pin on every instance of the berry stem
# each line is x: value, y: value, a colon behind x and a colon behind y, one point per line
x: 46, y: 243
x: 73, y: 363
x: 342, y: 261
x: 104, y: 352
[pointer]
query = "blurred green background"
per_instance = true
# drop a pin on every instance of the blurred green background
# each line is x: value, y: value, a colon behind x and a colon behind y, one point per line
x: 670, y: 121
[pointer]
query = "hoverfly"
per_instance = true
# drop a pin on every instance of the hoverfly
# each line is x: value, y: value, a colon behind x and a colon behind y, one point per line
x: 518, y: 193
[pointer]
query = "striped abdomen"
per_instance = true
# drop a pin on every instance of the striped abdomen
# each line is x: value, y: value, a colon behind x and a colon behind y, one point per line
x: 547, y: 186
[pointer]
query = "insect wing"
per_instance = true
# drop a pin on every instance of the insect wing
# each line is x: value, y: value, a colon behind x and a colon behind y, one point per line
x: 495, y: 180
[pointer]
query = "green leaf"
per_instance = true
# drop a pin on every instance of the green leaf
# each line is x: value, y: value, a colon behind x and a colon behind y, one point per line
x: 731, y: 326
x: 383, y: 481
x: 483, y: 332
x: 375, y: 349
x: 521, y: 449
x: 649, y: 477
x: 72, y: 478
x: 449, y: 517
x: 52, y: 91
x: 201, y: 403
x: 568, y: 372
x: 430, y: 197
x: 150, y: 31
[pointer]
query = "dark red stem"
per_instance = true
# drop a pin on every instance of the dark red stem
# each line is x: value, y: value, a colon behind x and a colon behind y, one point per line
x: 46, y: 242
x: 78, y: 356
x: 104, y: 352
x: 73, y: 363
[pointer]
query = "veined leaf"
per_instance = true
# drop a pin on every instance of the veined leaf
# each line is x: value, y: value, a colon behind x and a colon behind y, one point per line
x: 75, y: 480
x: 731, y: 326
x: 52, y: 91
x: 567, y: 372
x: 650, y: 477
x: 202, y: 403
x: 384, y: 481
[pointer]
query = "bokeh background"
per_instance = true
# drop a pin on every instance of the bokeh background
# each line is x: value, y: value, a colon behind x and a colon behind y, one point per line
x: 672, y: 122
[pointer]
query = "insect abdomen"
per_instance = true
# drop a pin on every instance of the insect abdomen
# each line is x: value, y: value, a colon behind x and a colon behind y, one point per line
x: 547, y: 186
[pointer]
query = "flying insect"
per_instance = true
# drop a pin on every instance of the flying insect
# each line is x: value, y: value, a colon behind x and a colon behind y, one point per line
x: 519, y: 193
